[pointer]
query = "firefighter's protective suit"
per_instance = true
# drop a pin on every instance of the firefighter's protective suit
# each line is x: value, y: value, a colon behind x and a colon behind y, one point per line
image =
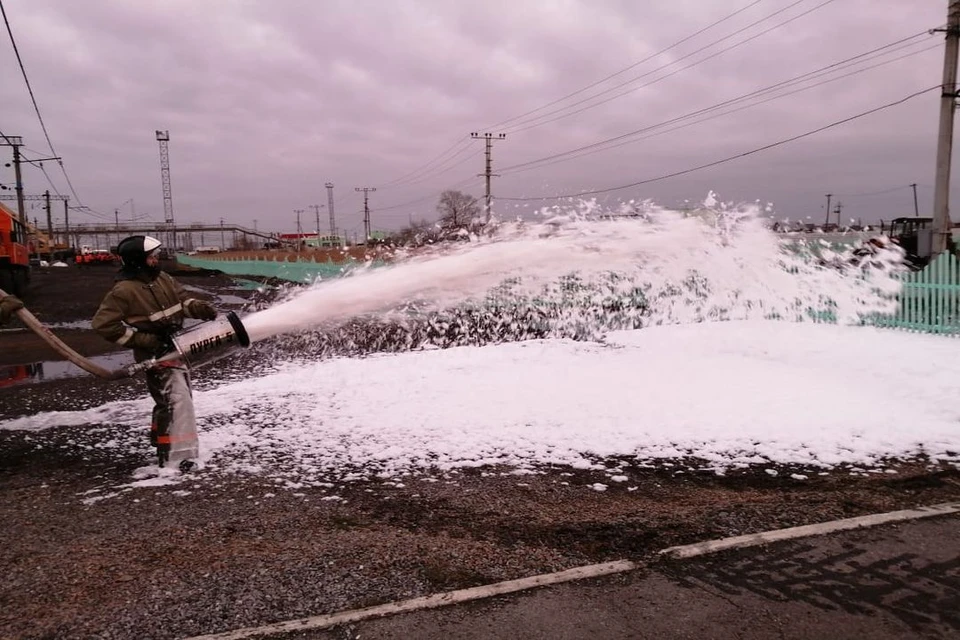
x: 142, y: 311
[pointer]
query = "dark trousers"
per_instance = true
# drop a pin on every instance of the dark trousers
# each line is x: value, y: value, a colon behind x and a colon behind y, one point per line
x: 174, y: 427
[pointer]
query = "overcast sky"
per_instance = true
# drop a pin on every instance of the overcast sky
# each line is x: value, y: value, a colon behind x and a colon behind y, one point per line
x: 265, y: 101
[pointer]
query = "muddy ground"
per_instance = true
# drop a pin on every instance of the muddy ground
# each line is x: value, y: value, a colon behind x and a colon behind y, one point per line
x: 218, y: 553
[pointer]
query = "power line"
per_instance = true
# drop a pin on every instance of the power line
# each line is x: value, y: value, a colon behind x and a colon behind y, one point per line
x: 874, y: 193
x: 533, y: 122
x: 734, y: 157
x: 433, y: 194
x: 81, y: 208
x: 472, y: 180
x: 831, y: 68
x: 439, y: 159
x: 604, y: 145
x: 39, y: 165
x: 445, y: 169
x: 465, y: 141
x: 33, y: 99
x: 628, y: 68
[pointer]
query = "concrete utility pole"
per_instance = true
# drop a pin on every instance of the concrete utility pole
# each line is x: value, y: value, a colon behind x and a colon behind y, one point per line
x: 333, y: 221
x: 46, y: 205
x: 16, y: 142
x: 223, y: 243
x: 66, y: 221
x: 316, y: 208
x: 948, y: 96
x: 299, y: 229
x: 116, y: 217
x: 366, y: 212
x: 916, y: 207
x: 488, y: 172
x: 827, y: 223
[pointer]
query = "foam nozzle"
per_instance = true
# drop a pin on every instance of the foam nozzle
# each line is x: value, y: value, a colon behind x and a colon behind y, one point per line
x: 201, y: 344
x: 209, y: 341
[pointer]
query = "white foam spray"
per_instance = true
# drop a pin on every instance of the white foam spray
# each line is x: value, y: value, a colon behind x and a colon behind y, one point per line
x: 719, y: 262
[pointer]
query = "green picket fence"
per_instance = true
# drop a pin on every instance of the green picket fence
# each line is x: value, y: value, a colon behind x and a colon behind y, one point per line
x: 929, y: 300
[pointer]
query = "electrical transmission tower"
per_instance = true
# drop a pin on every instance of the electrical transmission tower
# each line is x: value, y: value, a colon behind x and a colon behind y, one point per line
x: 489, y: 137
x: 163, y: 137
x: 366, y: 211
x: 333, y: 221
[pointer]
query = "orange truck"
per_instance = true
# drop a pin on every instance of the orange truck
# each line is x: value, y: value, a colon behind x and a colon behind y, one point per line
x: 14, y: 256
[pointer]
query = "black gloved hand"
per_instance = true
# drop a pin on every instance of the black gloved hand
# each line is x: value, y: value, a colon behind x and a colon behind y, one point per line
x: 203, y: 310
x: 155, y: 344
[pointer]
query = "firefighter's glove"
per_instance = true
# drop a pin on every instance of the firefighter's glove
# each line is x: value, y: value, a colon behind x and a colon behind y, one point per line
x: 151, y: 342
x: 8, y: 305
x: 202, y: 310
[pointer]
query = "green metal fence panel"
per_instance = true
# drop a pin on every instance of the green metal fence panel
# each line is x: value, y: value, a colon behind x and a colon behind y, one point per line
x: 303, y: 271
x: 929, y: 299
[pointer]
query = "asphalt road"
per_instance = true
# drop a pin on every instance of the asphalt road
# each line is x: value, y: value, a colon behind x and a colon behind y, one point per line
x: 891, y: 582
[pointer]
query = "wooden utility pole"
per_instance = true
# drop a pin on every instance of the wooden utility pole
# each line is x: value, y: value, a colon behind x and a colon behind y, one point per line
x: 948, y: 97
x: 366, y: 212
x: 488, y: 172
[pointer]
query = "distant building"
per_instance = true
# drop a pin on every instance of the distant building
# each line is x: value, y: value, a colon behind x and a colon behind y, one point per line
x: 325, y: 242
x: 311, y: 240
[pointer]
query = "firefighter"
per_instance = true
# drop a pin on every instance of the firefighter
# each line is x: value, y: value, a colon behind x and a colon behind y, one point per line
x: 8, y: 306
x: 142, y: 311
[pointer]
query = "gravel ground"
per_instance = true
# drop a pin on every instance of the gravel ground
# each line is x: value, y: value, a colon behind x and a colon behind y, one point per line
x: 220, y: 552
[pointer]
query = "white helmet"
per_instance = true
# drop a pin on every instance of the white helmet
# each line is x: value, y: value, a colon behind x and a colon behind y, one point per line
x: 133, y: 250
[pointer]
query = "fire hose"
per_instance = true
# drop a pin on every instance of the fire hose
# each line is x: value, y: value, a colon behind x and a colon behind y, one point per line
x: 197, y: 346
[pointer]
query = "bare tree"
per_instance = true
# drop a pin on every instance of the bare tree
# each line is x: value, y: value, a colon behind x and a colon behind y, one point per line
x: 420, y: 232
x: 458, y: 210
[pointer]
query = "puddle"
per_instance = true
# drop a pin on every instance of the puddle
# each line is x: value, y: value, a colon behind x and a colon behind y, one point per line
x: 75, y: 324
x: 194, y: 288
x: 251, y: 285
x: 35, y: 372
x: 227, y: 299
